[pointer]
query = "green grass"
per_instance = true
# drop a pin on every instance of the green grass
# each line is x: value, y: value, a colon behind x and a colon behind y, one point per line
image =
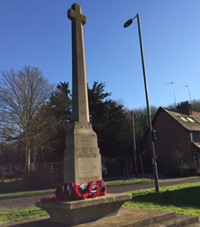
x: 43, y: 192
x: 21, y: 214
x: 127, y: 182
x: 25, y: 194
x: 183, y: 199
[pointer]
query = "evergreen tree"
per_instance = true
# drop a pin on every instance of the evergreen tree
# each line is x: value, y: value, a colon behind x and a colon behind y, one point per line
x: 59, y: 110
x: 196, y: 105
x: 109, y: 122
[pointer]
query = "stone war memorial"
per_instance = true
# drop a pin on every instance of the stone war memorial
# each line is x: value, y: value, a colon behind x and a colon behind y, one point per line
x: 82, y: 159
x: 82, y: 166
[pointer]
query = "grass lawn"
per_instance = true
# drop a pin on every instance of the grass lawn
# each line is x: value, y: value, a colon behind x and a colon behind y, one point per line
x: 21, y: 214
x: 25, y: 194
x: 183, y: 199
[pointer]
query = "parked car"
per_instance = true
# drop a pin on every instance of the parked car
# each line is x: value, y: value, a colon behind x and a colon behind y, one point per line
x: 6, y: 173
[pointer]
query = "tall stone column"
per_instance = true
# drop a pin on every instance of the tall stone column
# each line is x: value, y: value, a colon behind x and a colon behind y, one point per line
x: 80, y: 95
x: 82, y: 160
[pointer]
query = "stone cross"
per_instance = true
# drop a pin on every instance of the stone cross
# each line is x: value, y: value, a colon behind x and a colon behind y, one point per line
x: 80, y: 94
x: 82, y: 159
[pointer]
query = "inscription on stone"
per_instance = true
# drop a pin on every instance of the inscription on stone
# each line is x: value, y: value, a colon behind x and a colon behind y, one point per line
x: 86, y: 141
x: 88, y: 167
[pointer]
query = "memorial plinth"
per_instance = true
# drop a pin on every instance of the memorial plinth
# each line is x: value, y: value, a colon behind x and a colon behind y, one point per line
x: 82, y: 160
x: 83, y: 211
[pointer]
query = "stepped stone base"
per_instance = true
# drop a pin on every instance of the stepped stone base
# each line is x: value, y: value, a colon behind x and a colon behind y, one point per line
x: 82, y: 211
x: 145, y: 218
x: 125, y: 218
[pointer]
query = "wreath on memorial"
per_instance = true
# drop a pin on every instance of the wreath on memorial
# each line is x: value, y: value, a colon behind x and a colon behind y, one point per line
x: 74, y: 191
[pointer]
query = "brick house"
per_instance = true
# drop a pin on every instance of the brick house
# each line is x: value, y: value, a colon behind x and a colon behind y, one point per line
x: 177, y: 130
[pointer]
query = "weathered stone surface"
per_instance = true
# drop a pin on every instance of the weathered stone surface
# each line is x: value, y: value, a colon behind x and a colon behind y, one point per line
x: 79, y: 91
x: 125, y: 218
x: 179, y: 220
x: 82, y: 211
x: 82, y: 159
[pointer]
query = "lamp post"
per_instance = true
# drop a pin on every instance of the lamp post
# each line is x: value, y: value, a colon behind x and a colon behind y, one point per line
x: 127, y: 24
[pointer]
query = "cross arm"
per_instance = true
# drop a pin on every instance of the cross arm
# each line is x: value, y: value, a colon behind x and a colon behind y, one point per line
x: 76, y: 14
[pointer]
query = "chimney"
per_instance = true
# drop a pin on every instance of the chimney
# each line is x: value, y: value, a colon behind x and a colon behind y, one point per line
x: 185, y: 107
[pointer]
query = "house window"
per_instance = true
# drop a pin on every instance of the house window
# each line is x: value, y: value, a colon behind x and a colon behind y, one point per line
x: 190, y: 119
x: 191, y: 137
x: 183, y: 119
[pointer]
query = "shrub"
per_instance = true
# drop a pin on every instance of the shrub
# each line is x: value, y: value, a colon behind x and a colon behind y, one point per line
x: 175, y: 162
x: 177, y: 167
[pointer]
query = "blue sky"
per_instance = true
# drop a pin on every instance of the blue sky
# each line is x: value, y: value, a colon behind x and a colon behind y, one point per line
x: 38, y: 33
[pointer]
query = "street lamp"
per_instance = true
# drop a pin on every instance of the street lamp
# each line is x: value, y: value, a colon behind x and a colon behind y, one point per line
x: 127, y: 24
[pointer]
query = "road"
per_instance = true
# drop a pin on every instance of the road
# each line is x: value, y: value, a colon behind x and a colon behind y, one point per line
x: 30, y: 201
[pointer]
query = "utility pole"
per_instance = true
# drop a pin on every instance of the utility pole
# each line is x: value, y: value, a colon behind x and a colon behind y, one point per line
x: 134, y: 144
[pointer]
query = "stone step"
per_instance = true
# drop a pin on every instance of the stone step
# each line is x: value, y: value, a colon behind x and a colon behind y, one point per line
x: 177, y: 221
x: 132, y: 218
x: 125, y: 218
x: 194, y: 225
x: 145, y: 218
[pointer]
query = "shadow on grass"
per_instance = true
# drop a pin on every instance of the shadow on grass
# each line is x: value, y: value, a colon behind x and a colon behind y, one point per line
x: 187, y: 197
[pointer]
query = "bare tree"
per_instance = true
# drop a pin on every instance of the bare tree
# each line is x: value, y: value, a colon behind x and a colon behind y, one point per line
x: 46, y: 128
x: 22, y: 93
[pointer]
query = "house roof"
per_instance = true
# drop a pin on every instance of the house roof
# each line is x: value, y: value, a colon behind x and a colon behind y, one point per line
x: 189, y: 122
